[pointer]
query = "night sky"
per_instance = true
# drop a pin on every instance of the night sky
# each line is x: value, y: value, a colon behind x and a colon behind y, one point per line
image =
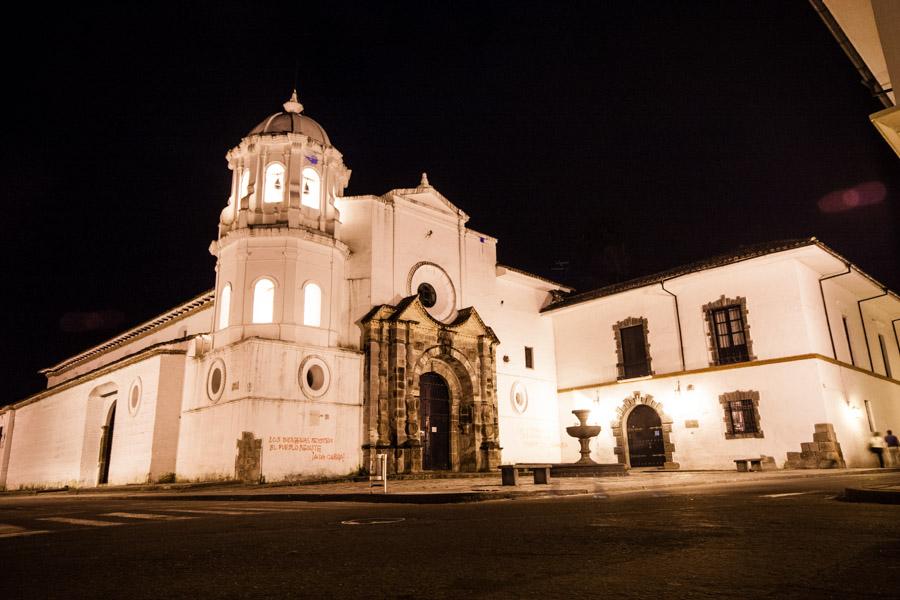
x: 597, y: 141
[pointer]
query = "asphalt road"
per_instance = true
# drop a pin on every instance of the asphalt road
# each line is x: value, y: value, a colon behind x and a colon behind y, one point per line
x: 785, y: 539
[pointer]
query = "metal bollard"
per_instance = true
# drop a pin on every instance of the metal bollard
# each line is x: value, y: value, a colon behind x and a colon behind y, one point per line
x: 381, y: 472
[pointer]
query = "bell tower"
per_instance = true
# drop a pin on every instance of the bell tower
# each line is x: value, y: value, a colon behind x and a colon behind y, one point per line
x: 279, y: 257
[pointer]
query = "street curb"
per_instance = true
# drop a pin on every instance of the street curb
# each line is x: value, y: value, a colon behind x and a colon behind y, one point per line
x: 872, y: 495
x: 380, y: 498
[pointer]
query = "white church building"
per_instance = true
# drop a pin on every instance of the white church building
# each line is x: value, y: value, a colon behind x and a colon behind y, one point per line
x: 342, y: 327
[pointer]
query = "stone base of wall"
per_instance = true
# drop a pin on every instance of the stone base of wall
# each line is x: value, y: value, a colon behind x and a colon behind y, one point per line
x: 247, y: 467
x: 824, y: 452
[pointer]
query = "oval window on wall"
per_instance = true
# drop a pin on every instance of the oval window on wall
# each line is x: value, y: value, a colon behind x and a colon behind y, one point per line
x: 314, y: 376
x: 518, y: 396
x: 435, y: 290
x: 134, y: 396
x: 215, y: 380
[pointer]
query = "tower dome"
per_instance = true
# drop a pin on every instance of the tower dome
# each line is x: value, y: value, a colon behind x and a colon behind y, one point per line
x: 285, y: 172
x: 291, y: 121
x: 279, y: 245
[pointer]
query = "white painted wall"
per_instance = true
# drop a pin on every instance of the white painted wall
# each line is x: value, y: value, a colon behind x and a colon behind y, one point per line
x: 263, y: 395
x: 791, y: 403
x: 845, y: 392
x: 57, y: 439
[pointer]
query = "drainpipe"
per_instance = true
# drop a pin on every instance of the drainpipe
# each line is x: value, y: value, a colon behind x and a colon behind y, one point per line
x: 678, y: 320
x: 825, y: 306
x: 865, y: 335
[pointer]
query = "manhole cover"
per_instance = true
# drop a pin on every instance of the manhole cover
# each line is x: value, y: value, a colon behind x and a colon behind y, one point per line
x: 373, y: 521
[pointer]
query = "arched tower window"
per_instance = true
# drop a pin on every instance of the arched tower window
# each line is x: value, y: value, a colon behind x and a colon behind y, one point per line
x: 224, y: 306
x: 310, y: 195
x: 244, y: 187
x: 312, y: 305
x: 263, y: 300
x: 275, y: 183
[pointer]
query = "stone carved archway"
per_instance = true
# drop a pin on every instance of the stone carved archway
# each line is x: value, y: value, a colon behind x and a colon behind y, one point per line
x: 453, y: 366
x: 401, y: 343
x: 621, y: 435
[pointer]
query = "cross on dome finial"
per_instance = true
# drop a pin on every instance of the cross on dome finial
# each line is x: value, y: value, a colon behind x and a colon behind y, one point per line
x: 424, y: 182
x: 293, y: 105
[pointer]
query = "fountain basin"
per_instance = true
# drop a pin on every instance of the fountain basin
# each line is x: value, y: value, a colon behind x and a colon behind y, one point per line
x: 583, y: 431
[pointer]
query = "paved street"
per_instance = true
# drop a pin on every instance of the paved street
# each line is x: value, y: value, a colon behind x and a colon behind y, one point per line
x: 784, y: 538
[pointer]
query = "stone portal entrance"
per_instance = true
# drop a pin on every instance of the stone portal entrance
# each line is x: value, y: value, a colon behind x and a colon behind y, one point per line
x: 635, y: 431
x: 434, y: 416
x: 430, y: 390
x: 645, y: 440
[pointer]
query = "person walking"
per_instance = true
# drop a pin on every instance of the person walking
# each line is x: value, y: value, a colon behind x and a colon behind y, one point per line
x: 876, y: 447
x: 893, y: 448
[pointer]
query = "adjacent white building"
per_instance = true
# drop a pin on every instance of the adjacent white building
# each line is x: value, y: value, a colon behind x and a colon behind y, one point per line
x: 342, y: 327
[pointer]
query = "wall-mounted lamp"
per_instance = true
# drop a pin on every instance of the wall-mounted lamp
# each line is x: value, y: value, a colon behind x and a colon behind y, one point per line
x: 688, y: 388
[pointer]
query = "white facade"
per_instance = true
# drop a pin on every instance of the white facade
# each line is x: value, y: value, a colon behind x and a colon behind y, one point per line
x: 331, y: 309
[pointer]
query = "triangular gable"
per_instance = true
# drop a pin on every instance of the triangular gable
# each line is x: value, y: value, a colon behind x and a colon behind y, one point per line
x: 380, y: 312
x: 469, y: 322
x: 410, y: 309
x: 430, y: 198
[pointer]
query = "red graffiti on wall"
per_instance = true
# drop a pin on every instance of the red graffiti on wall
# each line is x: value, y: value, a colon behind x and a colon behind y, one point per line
x: 296, y: 443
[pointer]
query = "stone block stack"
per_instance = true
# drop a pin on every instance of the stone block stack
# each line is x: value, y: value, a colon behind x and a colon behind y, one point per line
x: 824, y: 452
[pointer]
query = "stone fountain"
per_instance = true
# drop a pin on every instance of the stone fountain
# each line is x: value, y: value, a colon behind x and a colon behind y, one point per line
x: 586, y: 466
x: 584, y: 433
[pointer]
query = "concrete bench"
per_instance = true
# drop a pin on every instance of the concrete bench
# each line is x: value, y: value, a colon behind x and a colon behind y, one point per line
x: 763, y: 463
x: 510, y: 473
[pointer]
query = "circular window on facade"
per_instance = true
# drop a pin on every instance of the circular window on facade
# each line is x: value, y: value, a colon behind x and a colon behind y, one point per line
x: 134, y: 397
x: 435, y: 290
x: 215, y: 381
x: 314, y: 376
x: 427, y: 295
x: 518, y: 395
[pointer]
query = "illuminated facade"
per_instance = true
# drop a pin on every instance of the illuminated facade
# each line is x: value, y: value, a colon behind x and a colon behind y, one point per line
x: 342, y: 327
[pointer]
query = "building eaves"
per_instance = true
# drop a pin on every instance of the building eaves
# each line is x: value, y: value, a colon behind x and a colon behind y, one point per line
x: 741, y: 254
x: 538, y: 277
x: 176, y: 314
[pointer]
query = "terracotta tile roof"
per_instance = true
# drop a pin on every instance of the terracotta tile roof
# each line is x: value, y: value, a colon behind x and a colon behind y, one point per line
x: 741, y: 254
x: 177, y: 313
x: 533, y: 276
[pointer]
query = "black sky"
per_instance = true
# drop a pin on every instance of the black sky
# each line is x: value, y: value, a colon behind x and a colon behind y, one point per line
x: 618, y: 139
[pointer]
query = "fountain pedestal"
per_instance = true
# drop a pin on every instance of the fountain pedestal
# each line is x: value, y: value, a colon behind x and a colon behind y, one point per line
x: 584, y: 433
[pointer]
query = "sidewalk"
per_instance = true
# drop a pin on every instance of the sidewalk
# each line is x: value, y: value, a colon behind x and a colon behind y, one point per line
x: 475, y: 488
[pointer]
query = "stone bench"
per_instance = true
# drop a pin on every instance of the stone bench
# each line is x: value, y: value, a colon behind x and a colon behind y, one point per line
x: 763, y: 463
x: 510, y: 473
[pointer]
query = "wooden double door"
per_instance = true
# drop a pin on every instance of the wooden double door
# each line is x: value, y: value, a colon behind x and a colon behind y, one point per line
x: 646, y: 447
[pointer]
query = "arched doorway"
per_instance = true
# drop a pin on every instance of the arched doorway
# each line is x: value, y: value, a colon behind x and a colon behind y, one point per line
x: 434, y: 421
x: 646, y: 447
x: 106, y: 445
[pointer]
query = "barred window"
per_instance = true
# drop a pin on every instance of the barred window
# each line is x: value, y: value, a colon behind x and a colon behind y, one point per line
x: 743, y: 416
